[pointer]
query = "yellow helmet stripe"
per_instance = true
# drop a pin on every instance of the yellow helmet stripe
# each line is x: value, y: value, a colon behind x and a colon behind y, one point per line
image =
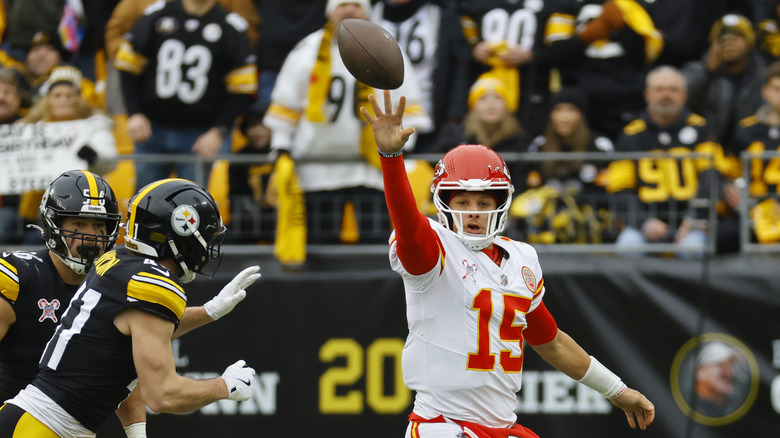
x: 94, y: 194
x: 138, y: 197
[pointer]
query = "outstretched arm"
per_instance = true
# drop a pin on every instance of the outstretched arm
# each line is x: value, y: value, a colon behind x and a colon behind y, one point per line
x: 417, y: 247
x: 219, y: 306
x: 568, y: 357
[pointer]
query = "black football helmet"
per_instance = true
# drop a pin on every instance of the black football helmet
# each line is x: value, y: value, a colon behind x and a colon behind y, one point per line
x: 178, y: 219
x: 79, y: 193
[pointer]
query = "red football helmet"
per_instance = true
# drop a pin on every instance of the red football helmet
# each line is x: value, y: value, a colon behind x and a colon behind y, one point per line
x: 472, y: 168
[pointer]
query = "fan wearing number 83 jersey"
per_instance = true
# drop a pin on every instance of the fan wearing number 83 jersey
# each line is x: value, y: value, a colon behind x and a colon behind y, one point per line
x: 473, y: 297
x: 187, y: 72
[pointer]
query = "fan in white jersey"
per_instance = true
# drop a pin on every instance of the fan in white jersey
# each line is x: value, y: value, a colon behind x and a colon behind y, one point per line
x: 473, y: 297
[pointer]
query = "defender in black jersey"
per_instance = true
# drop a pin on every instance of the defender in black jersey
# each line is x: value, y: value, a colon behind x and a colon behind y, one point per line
x: 187, y: 73
x: 80, y: 219
x: 68, y: 373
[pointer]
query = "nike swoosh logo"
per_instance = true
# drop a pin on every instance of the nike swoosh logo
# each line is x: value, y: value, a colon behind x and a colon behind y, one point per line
x: 245, y: 382
x: 163, y: 272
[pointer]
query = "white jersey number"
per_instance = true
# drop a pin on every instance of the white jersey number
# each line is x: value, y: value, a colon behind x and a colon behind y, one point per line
x: 483, y: 359
x: 182, y: 72
x: 518, y: 29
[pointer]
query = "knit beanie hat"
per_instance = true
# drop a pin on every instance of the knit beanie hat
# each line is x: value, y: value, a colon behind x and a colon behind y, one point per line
x: 733, y: 24
x: 572, y: 95
x: 485, y: 85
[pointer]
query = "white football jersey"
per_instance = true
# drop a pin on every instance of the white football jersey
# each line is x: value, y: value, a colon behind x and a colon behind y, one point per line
x: 464, y: 352
x: 418, y: 37
x: 340, y: 136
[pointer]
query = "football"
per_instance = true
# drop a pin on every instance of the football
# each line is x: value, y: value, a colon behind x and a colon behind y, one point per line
x: 371, y: 54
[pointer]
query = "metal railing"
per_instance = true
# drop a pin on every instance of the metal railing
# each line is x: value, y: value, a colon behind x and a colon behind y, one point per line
x: 710, y: 223
x: 747, y: 241
x: 748, y: 202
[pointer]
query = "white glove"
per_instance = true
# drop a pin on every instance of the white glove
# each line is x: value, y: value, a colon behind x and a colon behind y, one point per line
x: 232, y: 293
x: 136, y: 430
x: 238, y: 378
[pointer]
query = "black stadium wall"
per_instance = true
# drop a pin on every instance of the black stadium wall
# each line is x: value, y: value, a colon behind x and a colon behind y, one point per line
x: 326, y: 343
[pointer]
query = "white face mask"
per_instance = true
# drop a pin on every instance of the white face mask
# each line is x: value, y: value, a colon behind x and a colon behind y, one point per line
x: 496, y: 221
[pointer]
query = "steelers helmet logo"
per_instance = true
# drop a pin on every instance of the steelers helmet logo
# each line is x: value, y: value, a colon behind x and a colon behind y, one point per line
x: 185, y: 220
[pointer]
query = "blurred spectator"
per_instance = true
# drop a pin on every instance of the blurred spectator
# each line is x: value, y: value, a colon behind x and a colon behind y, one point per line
x: 314, y: 115
x: 252, y: 212
x: 489, y: 121
x: 768, y: 34
x: 25, y: 18
x: 507, y: 38
x: 565, y: 200
x: 63, y: 102
x: 653, y: 194
x: 605, y: 49
x: 96, y: 15
x: 65, y: 113
x: 284, y: 24
x: 45, y: 53
x: 127, y: 12
x: 12, y: 101
x: 184, y: 90
x: 761, y: 133
x: 429, y: 33
x: 684, y: 25
x: 567, y: 130
x: 725, y: 86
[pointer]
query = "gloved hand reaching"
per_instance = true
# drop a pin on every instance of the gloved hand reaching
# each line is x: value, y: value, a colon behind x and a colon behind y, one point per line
x: 239, y: 378
x: 232, y: 293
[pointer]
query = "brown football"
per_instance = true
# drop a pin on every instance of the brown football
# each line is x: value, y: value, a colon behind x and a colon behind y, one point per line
x: 371, y: 54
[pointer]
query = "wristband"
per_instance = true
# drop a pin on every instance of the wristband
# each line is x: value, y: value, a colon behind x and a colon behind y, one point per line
x: 393, y: 155
x: 136, y: 430
x: 602, y: 380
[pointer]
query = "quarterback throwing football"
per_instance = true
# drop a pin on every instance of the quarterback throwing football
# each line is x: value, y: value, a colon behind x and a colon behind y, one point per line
x: 473, y: 297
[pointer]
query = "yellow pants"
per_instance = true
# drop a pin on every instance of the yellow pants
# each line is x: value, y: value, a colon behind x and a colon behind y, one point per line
x: 15, y: 422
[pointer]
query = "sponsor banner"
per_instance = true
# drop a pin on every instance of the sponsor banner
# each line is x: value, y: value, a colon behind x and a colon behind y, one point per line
x: 700, y: 340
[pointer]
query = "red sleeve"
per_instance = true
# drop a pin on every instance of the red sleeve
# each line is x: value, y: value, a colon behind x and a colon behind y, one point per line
x: 542, y: 327
x: 417, y: 245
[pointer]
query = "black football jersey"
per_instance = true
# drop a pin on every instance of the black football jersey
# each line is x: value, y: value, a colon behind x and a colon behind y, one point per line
x: 667, y: 184
x: 88, y: 363
x: 755, y: 136
x: 188, y: 64
x: 520, y: 23
x: 31, y: 284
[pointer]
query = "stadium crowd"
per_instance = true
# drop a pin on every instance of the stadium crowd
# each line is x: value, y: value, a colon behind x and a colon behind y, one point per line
x: 262, y: 79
